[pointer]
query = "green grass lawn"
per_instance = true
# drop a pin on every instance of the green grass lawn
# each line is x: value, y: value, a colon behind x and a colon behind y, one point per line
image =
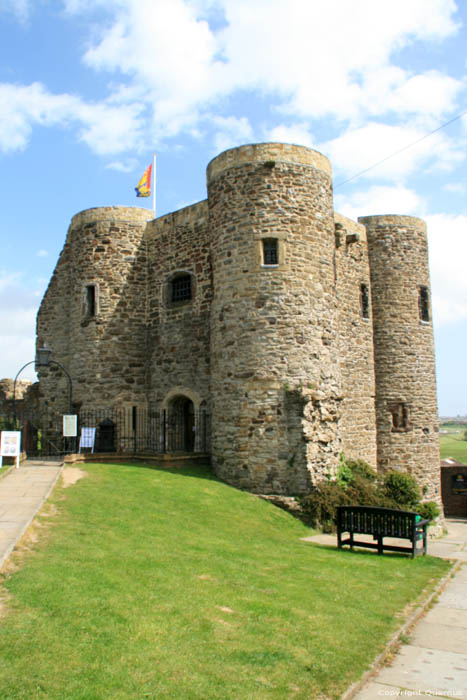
x: 452, y: 444
x: 171, y: 585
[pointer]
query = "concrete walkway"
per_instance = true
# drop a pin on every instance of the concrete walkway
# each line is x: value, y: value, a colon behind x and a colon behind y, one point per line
x: 22, y: 493
x: 434, y: 662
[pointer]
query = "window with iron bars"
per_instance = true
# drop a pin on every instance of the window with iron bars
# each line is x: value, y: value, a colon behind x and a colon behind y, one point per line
x: 270, y: 251
x: 180, y: 288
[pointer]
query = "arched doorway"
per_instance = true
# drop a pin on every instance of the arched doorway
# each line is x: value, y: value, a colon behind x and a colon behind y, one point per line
x: 181, y: 425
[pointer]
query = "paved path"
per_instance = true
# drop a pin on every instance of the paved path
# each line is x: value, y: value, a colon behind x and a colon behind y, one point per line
x: 434, y: 663
x: 22, y: 493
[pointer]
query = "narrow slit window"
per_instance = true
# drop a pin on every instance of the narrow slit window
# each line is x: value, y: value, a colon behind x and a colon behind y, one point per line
x: 90, y: 301
x: 424, y: 304
x: 270, y: 251
x: 364, y: 301
x: 181, y: 288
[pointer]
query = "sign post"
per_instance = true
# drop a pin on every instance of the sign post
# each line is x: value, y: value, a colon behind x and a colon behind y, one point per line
x: 10, y: 445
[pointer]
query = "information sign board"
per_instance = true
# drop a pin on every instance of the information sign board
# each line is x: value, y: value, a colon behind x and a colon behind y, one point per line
x: 87, y: 439
x: 10, y: 445
x: 70, y: 426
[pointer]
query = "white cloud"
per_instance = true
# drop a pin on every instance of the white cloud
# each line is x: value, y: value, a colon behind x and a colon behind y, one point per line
x: 172, y: 63
x: 403, y: 149
x: 42, y: 253
x: 123, y: 166
x: 230, y: 132
x: 20, y: 8
x: 455, y: 187
x: 298, y: 134
x: 104, y: 127
x: 18, y: 308
x: 313, y: 59
x: 379, y: 200
x: 447, y: 237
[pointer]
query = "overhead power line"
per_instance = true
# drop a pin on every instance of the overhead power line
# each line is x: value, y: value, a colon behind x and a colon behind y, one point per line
x: 401, y: 150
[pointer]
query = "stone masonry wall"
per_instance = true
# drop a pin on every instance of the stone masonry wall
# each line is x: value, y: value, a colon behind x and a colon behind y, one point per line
x: 178, y: 333
x: 279, y: 354
x: 406, y: 404
x: 274, y: 337
x: 103, y: 352
x: 358, y: 420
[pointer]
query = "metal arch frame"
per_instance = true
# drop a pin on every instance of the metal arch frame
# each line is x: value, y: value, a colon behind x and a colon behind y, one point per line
x: 50, y: 362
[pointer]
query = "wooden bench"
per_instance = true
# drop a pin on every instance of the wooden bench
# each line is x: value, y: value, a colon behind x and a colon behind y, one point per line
x: 381, y: 523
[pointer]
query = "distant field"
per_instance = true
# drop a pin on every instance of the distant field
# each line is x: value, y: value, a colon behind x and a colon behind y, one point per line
x: 452, y: 443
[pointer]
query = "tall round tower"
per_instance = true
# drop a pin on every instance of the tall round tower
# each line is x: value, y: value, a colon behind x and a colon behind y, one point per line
x: 93, y: 313
x: 275, y: 373
x: 406, y: 403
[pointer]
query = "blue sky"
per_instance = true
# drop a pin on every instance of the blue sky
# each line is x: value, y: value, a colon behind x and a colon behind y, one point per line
x: 90, y: 89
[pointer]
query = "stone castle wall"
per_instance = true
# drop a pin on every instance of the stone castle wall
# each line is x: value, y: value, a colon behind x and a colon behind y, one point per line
x: 274, y: 328
x: 104, y: 348
x: 357, y: 423
x: 178, y: 332
x: 321, y: 352
x: 406, y: 402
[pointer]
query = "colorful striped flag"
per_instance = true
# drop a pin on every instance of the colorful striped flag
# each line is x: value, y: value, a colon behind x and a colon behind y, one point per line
x: 144, y: 185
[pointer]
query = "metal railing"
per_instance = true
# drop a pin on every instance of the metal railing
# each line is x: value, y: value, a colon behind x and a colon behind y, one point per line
x: 130, y: 430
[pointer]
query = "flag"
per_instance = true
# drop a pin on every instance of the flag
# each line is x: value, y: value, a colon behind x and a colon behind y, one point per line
x: 144, y: 185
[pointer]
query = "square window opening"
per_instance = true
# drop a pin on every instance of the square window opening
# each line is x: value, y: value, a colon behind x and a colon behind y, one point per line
x: 270, y: 251
x: 180, y: 288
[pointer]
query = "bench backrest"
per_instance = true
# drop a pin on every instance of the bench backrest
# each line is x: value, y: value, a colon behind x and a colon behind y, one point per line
x: 376, y: 521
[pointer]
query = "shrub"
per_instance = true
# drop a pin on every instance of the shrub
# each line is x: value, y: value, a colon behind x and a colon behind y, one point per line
x: 355, y: 484
x: 360, y: 468
x: 401, y: 489
x: 429, y: 510
x: 319, y: 507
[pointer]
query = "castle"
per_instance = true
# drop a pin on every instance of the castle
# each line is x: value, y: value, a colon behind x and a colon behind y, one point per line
x: 275, y: 332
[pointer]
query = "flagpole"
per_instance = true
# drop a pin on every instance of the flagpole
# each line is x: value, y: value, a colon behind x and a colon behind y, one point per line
x: 154, y: 186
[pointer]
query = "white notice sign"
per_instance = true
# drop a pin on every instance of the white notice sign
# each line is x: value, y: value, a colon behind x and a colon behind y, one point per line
x: 88, y: 436
x: 70, y: 426
x: 10, y: 445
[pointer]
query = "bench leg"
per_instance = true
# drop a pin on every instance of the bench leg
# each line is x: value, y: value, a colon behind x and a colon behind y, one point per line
x: 380, y: 544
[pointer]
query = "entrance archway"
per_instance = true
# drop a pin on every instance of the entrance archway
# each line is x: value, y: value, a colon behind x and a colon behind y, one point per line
x: 181, y: 424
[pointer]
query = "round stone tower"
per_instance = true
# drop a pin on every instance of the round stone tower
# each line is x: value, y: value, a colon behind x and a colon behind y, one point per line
x: 275, y: 373
x: 406, y: 403
x: 93, y: 313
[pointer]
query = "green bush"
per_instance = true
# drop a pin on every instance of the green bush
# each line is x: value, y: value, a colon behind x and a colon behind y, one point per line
x: 319, y: 507
x: 402, y: 489
x: 355, y: 484
x: 361, y: 469
x: 429, y: 510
